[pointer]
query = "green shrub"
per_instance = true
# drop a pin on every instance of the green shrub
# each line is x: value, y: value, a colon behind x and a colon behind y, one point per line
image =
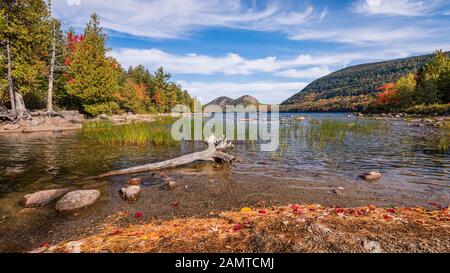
x: 441, y: 109
x: 101, y: 108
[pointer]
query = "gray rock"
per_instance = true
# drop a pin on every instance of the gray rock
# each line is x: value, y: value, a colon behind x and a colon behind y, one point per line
x: 169, y: 186
x: 371, y: 176
x: 130, y: 193
x: 75, y: 200
x: 371, y: 246
x: 42, y: 198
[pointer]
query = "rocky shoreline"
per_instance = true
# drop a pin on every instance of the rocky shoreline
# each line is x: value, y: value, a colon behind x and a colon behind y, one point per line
x: 70, y: 120
x: 412, y: 120
x: 65, y: 120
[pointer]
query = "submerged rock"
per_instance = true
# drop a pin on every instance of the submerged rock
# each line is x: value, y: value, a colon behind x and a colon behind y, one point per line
x: 75, y: 200
x: 42, y: 198
x: 169, y: 186
x: 338, y: 191
x: 371, y: 176
x: 130, y: 193
x: 137, y: 181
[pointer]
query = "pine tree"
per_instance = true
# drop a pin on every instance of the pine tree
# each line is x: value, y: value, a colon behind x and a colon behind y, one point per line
x: 93, y: 77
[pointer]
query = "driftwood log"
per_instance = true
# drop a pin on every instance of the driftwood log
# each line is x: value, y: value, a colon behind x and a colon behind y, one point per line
x: 215, y: 152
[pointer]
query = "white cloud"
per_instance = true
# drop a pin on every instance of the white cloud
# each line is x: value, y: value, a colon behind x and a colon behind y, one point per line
x: 396, y: 7
x: 313, y: 66
x: 262, y: 90
x: 177, y: 19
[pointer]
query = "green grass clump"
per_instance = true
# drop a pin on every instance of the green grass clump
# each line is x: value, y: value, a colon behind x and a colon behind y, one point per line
x: 141, y: 133
x: 335, y: 131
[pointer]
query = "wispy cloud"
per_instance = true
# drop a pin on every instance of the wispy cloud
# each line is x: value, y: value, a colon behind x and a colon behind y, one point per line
x: 308, y: 73
x: 323, y: 14
x: 263, y: 90
x: 364, y: 35
x: 178, y: 19
x: 397, y: 7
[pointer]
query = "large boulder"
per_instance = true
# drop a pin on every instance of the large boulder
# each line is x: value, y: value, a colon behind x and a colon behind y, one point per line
x: 42, y: 198
x: 75, y: 200
x: 130, y: 193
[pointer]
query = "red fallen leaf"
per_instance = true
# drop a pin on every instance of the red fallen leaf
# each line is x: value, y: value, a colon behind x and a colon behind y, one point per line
x: 138, y: 214
x: 237, y: 227
x: 175, y: 204
x: 297, y: 211
x: 294, y: 207
x: 387, y: 217
x: 391, y: 210
x: 44, y: 244
x: 262, y: 211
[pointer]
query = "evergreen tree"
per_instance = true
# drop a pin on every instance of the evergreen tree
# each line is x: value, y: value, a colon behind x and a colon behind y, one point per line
x: 93, y: 77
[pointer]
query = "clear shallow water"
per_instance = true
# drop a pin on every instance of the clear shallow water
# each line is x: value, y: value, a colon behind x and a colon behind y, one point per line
x: 415, y: 173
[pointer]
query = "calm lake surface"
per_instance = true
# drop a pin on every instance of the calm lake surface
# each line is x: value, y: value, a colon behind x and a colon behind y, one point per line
x: 415, y: 173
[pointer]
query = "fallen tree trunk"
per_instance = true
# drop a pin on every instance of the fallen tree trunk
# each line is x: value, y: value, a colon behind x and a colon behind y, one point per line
x: 215, y: 152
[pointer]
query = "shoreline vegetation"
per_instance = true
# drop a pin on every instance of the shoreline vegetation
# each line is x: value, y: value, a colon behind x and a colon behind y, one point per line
x: 292, y: 228
x: 57, y: 71
x: 416, y: 85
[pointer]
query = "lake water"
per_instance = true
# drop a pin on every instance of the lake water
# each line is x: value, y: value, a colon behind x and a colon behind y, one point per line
x: 415, y: 173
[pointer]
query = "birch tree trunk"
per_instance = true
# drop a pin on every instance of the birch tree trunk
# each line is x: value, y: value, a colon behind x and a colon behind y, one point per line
x: 51, y: 75
x: 10, y: 80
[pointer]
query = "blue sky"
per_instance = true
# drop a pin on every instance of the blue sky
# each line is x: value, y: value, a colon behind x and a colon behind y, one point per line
x: 270, y: 49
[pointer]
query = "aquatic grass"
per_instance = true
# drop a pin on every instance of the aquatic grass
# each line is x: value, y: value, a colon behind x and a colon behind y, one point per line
x: 157, y: 132
x: 321, y: 133
x: 444, y: 138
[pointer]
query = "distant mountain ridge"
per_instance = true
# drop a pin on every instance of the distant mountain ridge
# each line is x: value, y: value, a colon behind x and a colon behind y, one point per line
x: 351, y: 88
x: 244, y: 100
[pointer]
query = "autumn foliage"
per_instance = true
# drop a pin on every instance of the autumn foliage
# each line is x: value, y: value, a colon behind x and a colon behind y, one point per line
x: 387, y: 94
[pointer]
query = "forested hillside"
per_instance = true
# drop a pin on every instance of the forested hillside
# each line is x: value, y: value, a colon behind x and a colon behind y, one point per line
x: 352, y: 88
